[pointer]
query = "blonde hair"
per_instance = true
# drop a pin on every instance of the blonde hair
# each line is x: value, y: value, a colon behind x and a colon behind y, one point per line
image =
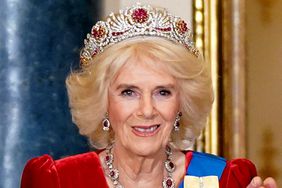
x: 88, y: 88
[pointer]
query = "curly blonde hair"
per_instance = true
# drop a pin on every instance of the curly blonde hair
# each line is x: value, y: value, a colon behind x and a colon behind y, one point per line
x: 88, y: 88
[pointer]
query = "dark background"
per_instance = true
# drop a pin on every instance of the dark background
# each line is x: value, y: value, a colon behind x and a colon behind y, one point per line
x: 39, y: 44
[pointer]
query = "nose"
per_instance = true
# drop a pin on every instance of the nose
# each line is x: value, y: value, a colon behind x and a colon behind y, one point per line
x: 147, y: 108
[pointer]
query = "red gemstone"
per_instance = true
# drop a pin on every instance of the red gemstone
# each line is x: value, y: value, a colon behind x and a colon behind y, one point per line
x: 171, y: 165
x: 112, y: 173
x: 94, y: 52
x: 98, y: 32
x: 169, y: 182
x: 117, y: 33
x: 177, y: 124
x: 181, y: 26
x: 140, y: 15
x: 107, y: 158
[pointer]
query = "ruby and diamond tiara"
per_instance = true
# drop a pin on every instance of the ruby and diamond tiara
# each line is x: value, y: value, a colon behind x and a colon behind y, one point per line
x: 138, y: 20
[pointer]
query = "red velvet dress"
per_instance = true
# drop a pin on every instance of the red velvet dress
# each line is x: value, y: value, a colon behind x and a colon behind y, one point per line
x: 85, y: 171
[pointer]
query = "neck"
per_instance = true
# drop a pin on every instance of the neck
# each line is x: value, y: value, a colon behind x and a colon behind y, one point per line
x: 145, y: 171
x: 137, y: 164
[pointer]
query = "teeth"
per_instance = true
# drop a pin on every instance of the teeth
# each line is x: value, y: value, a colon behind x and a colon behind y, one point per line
x: 146, y: 130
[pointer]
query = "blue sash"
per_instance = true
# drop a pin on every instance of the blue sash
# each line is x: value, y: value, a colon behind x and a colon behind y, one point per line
x: 203, y: 164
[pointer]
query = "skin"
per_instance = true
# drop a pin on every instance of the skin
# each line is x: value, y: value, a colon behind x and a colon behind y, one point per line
x: 257, y: 182
x: 142, y: 96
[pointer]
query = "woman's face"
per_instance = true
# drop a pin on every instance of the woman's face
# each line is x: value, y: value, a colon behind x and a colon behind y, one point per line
x: 143, y: 103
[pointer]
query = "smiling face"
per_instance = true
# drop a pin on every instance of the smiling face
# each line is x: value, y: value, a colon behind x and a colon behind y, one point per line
x: 143, y: 103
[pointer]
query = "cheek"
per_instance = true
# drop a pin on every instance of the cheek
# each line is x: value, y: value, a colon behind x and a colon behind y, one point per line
x: 169, y: 109
x: 120, y: 111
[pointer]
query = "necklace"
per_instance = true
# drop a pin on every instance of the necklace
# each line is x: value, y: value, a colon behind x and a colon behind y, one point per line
x: 113, y: 173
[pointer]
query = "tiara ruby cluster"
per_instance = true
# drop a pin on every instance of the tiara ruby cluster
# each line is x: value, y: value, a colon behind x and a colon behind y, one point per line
x: 138, y: 20
x: 181, y: 26
x: 140, y: 15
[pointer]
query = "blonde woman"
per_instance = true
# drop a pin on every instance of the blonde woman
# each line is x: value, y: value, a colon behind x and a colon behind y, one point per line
x: 142, y: 96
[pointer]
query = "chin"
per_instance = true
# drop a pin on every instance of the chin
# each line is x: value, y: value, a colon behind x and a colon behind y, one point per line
x: 148, y: 145
x: 146, y: 149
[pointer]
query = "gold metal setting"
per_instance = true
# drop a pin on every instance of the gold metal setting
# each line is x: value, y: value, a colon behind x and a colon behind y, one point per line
x: 226, y: 131
x: 206, y: 40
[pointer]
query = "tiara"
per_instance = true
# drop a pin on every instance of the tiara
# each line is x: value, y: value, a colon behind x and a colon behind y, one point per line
x: 138, y: 20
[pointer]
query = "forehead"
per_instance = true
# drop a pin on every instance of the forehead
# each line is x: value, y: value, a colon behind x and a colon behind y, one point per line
x: 144, y: 70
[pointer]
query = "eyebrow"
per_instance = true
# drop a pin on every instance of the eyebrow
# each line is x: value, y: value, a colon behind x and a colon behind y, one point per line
x: 122, y: 86
x: 131, y: 86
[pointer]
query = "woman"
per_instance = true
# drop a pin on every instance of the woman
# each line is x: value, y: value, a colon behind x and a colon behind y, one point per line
x: 142, y: 96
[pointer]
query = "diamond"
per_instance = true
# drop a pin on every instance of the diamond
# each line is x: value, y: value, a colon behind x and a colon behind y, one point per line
x: 134, y: 21
x: 168, y: 150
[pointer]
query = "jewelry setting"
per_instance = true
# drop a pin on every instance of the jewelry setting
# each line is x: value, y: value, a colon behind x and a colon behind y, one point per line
x: 113, y: 173
x: 138, y: 20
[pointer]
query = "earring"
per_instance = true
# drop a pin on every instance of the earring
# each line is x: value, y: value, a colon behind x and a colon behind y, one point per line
x: 176, y: 122
x: 106, y: 123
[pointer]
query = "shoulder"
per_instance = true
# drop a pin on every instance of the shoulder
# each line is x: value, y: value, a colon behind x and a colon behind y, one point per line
x: 232, y: 173
x: 82, y: 161
x: 47, y: 163
x: 39, y: 171
x: 44, y: 171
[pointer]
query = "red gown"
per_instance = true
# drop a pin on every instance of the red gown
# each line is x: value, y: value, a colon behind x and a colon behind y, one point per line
x: 85, y: 171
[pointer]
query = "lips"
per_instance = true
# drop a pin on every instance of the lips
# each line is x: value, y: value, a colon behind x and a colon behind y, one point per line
x: 145, y: 131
